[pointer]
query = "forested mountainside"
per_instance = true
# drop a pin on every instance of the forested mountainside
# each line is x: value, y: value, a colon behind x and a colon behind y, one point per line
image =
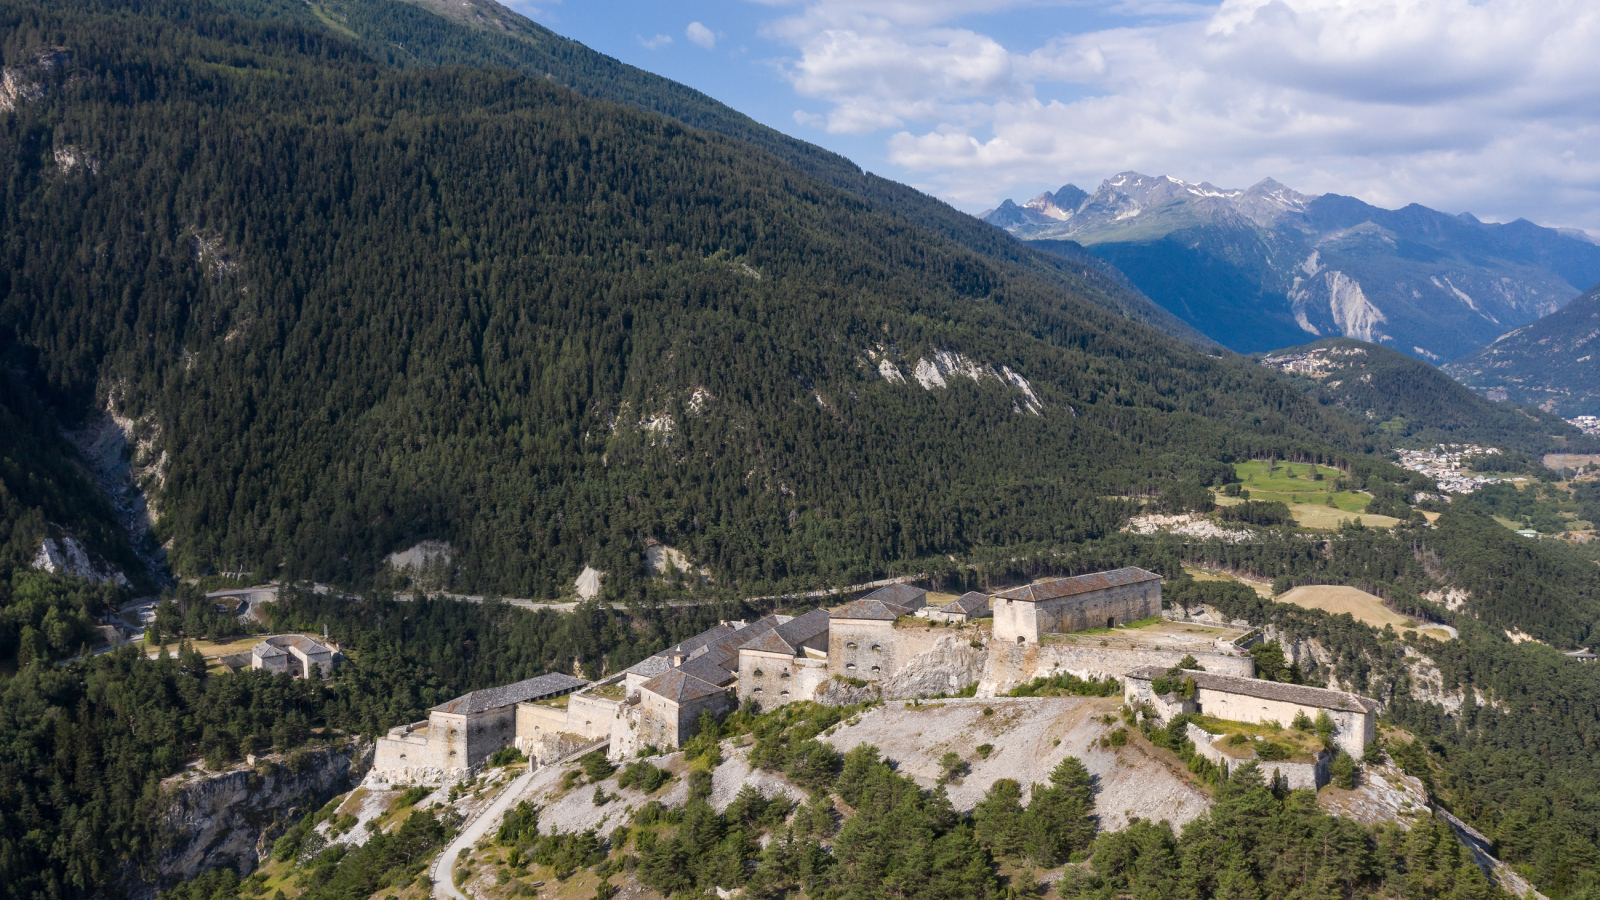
x: 359, y: 306
x: 1417, y: 405
x: 485, y: 34
x: 1549, y: 363
x: 1266, y: 266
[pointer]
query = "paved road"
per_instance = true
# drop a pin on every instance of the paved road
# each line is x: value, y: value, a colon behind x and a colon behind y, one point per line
x: 443, y: 872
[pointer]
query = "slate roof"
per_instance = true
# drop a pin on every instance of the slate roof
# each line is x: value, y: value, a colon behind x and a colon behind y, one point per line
x: 788, y: 637
x: 679, y: 686
x: 866, y: 608
x: 649, y: 667
x: 300, y: 642
x: 969, y: 603
x: 505, y: 695
x: 699, y: 641
x: 900, y: 595
x: 267, y: 651
x: 1267, y: 690
x: 708, y: 671
x: 1056, y: 588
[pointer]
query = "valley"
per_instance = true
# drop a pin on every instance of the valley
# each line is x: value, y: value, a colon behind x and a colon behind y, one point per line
x: 440, y: 460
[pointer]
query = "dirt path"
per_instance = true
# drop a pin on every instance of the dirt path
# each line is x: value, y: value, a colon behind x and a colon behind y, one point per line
x: 443, y: 871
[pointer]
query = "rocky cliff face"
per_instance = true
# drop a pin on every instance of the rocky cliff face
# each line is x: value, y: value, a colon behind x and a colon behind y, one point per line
x: 232, y: 818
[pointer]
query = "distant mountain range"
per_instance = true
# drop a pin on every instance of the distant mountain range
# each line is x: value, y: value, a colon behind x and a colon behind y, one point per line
x: 1550, y: 363
x: 1267, y: 266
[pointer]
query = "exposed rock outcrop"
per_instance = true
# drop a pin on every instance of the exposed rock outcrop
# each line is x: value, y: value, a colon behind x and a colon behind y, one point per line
x: 231, y: 818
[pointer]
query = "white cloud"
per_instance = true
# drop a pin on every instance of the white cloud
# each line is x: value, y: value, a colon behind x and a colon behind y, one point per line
x: 701, y: 35
x: 1487, y: 105
x: 657, y: 42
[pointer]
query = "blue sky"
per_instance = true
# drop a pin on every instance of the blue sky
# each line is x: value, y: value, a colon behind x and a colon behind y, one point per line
x: 1487, y: 106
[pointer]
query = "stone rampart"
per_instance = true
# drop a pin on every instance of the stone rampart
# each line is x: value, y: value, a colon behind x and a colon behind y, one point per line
x: 1294, y: 775
x: 1009, y: 665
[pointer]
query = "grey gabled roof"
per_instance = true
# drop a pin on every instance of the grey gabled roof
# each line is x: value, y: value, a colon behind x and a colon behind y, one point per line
x: 267, y: 651
x: 866, y: 608
x: 505, y: 695
x: 788, y: 637
x: 679, y: 686
x: 1056, y: 588
x: 649, y: 667
x: 968, y: 603
x: 1267, y: 690
x: 709, y: 671
x: 900, y: 595
x: 699, y: 641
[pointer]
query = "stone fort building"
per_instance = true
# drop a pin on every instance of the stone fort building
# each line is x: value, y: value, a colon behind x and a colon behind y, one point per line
x: 1078, y: 603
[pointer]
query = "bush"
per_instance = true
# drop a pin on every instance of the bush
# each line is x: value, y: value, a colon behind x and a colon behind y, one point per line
x: 644, y: 776
x: 1343, y: 771
x: 595, y: 766
x: 1267, y: 750
x: 951, y: 767
x: 506, y: 756
x: 410, y: 796
x: 1068, y: 684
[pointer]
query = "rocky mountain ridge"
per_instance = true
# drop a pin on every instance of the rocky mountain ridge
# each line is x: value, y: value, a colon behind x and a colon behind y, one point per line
x: 1548, y: 363
x: 1268, y: 265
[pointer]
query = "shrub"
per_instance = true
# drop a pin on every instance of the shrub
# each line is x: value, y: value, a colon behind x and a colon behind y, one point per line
x: 984, y: 750
x: 410, y: 796
x: 1267, y: 750
x: 595, y: 765
x: 506, y: 756
x: 951, y: 767
x: 1302, y: 722
x: 1343, y: 771
x: 644, y: 776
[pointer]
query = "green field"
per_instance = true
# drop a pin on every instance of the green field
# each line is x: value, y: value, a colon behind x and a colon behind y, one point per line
x: 1292, y: 483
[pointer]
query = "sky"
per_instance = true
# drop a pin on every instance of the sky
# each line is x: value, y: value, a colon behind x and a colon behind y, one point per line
x: 1483, y: 106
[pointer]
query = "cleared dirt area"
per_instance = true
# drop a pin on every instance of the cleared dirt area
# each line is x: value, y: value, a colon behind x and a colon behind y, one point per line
x: 1030, y: 737
x: 1362, y: 606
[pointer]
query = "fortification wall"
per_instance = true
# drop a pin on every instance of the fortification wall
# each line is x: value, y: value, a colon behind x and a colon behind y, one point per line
x: 1009, y: 665
x: 1311, y: 775
x: 590, y: 716
x: 880, y: 651
x: 1352, y: 730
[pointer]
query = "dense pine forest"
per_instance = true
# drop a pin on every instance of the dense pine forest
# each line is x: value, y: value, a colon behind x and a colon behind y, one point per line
x: 363, y: 306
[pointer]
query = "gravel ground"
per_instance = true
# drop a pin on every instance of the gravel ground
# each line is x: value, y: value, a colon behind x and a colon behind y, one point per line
x: 575, y: 810
x: 1384, y: 794
x: 1030, y: 737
